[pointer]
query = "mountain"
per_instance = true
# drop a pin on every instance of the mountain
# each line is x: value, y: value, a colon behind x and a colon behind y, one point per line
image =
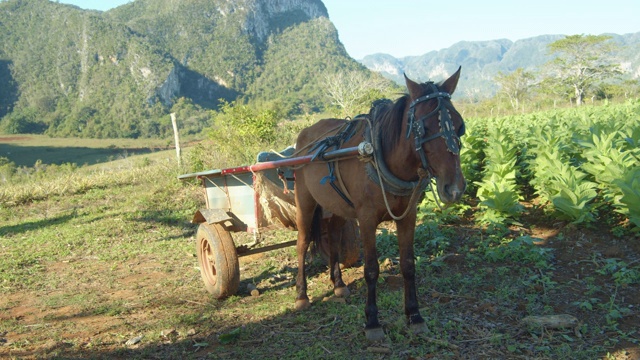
x: 65, y: 71
x: 482, y: 60
x: 629, y: 55
x: 72, y: 72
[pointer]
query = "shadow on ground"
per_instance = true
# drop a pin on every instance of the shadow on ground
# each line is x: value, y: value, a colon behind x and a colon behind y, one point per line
x: 28, y: 155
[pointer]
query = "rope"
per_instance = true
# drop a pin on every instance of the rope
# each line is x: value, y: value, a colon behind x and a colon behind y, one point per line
x: 386, y: 201
x: 422, y: 174
x: 435, y: 197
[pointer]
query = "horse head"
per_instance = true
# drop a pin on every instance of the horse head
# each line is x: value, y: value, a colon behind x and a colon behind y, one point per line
x: 437, y: 127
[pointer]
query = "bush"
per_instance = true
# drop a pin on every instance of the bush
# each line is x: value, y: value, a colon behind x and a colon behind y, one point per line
x: 25, y: 121
x: 7, y: 169
x: 240, y: 132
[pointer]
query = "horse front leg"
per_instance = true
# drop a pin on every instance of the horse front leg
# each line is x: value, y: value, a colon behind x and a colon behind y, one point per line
x: 373, y: 329
x: 305, y: 213
x: 406, y: 232
x: 302, y: 245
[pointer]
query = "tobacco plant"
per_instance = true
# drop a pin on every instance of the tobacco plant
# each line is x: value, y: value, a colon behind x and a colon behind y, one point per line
x: 630, y: 201
x: 564, y: 186
x: 497, y: 191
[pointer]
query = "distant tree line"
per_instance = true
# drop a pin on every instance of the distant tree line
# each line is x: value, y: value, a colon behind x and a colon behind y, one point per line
x: 584, y: 68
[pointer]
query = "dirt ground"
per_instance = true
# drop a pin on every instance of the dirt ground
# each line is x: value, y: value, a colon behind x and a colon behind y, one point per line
x: 579, y: 253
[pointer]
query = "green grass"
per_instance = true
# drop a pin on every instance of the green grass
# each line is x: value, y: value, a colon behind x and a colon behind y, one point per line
x: 88, y: 265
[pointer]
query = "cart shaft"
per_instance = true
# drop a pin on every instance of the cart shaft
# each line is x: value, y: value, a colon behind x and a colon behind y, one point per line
x: 362, y: 149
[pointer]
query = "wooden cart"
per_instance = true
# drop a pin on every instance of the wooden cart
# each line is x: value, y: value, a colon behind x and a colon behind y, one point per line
x: 256, y: 198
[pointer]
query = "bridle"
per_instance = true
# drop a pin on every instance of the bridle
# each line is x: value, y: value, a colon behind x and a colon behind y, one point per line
x: 447, y: 130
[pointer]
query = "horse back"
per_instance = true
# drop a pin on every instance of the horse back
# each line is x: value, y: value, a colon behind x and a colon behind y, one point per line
x: 318, y: 131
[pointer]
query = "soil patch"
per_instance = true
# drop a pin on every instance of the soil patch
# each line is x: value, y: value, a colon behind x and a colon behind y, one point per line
x: 13, y: 138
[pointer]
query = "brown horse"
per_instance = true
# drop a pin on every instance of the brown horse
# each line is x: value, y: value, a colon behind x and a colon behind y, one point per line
x: 415, y: 138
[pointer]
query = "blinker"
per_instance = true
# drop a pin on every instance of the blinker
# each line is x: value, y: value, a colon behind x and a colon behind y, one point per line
x: 447, y: 129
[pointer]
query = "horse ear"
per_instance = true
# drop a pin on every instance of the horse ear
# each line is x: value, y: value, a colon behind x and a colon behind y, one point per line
x: 415, y: 90
x: 450, y: 84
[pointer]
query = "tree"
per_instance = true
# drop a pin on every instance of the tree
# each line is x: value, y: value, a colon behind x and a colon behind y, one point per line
x: 553, y: 90
x: 515, y: 86
x: 353, y: 91
x: 583, y: 61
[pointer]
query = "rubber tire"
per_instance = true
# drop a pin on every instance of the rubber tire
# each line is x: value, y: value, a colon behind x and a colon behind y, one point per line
x: 218, y: 260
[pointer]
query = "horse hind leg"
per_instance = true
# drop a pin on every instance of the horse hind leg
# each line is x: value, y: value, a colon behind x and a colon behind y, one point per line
x: 336, y: 224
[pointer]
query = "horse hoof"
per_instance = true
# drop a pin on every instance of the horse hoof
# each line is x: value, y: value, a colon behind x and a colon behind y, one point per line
x: 341, y: 292
x: 302, y: 304
x: 418, y: 328
x: 375, y: 334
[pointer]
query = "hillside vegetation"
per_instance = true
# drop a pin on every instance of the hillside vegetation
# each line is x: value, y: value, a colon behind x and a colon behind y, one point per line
x: 71, y: 72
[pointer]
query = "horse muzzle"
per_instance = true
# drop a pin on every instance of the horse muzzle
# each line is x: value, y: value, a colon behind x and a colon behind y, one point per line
x: 452, y: 192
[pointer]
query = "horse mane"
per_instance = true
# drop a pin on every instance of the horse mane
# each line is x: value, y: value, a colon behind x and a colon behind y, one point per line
x: 390, y: 123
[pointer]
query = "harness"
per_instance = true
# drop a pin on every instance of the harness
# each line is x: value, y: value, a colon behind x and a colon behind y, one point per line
x: 377, y: 170
x: 336, y: 141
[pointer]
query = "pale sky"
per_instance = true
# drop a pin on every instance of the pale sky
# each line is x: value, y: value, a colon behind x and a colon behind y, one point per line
x: 415, y: 27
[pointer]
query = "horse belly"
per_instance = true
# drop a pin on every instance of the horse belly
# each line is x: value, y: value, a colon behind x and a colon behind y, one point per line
x: 314, y: 177
x: 318, y: 185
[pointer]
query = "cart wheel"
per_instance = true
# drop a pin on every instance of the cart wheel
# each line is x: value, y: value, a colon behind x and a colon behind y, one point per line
x: 218, y: 260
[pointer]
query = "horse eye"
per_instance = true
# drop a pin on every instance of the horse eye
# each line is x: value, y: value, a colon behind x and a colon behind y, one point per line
x: 461, y: 130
